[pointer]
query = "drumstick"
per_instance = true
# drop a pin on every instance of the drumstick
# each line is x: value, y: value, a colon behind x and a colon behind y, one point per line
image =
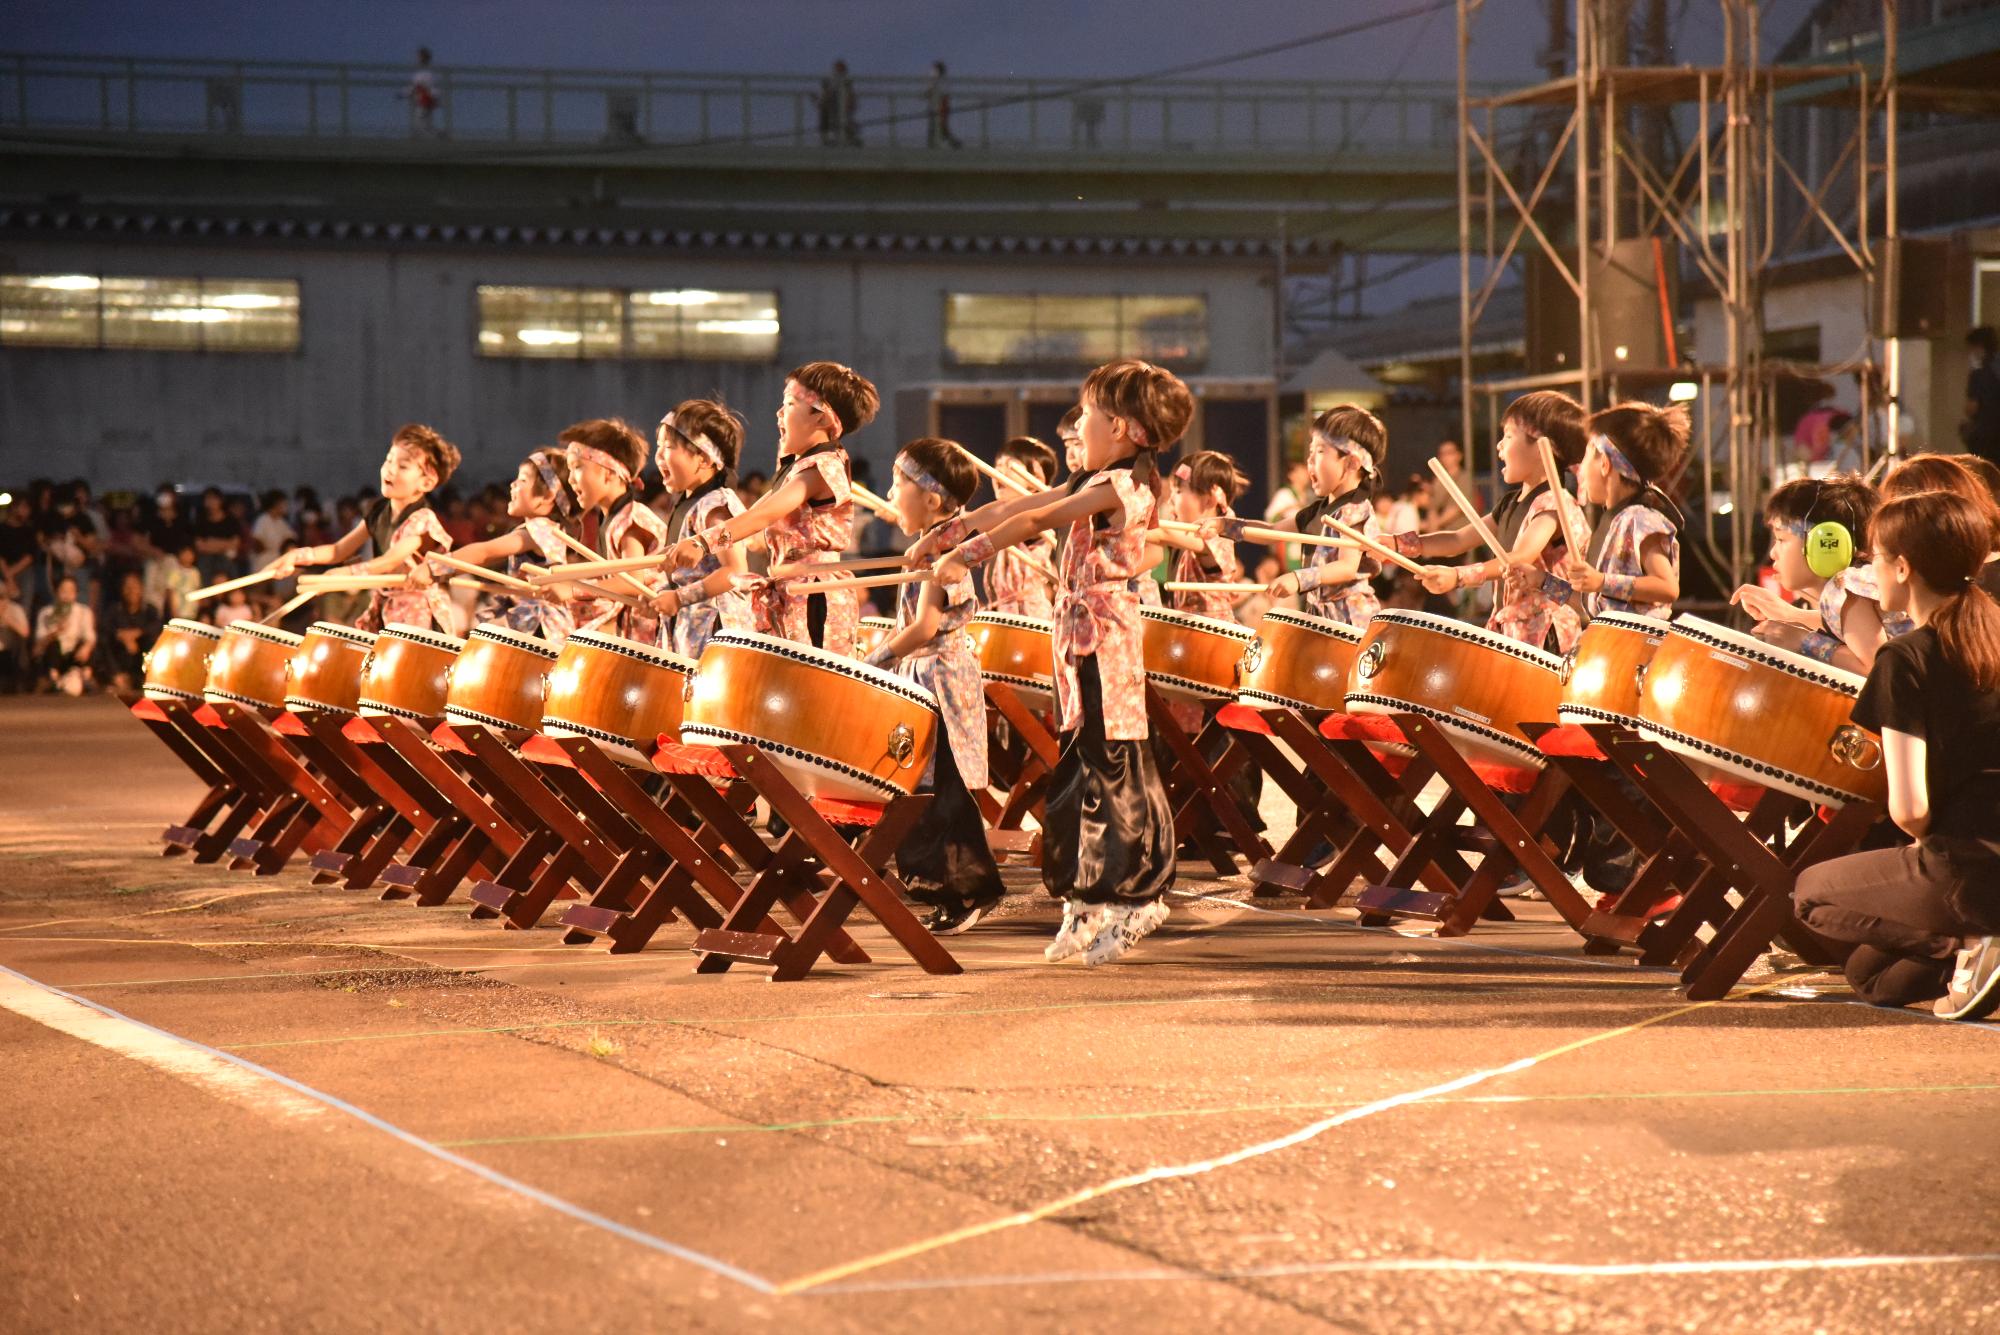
x: 873, y: 502
x: 536, y: 579
x: 480, y: 572
x: 873, y: 581
x: 351, y: 583
x: 286, y: 609
x: 1470, y: 511
x: 593, y: 557
x: 610, y: 566
x: 1564, y: 522
x: 797, y: 568
x: 1258, y: 533
x: 227, y: 585
x: 1239, y: 586
x: 1036, y: 564
x: 1023, y: 484
x: 1368, y: 544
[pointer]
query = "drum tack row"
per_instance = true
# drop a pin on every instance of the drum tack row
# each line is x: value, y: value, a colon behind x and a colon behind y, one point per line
x: 619, y: 777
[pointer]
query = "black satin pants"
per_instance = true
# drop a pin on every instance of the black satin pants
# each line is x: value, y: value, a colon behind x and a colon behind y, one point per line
x: 1108, y: 835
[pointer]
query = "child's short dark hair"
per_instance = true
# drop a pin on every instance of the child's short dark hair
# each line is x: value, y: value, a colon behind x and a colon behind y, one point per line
x: 851, y: 395
x: 946, y: 462
x: 1653, y: 438
x: 1211, y: 470
x: 440, y: 454
x: 712, y: 418
x: 1067, y: 426
x: 1843, y: 498
x: 1033, y: 455
x: 1152, y: 398
x: 1552, y: 413
x: 1347, y: 421
x: 614, y: 436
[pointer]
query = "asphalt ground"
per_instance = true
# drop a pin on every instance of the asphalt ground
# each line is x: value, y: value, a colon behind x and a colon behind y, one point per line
x: 246, y: 1104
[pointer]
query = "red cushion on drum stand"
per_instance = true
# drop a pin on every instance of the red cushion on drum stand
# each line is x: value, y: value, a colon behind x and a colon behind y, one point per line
x: 361, y: 731
x: 544, y: 752
x: 1738, y: 797
x: 444, y: 739
x: 1378, y: 729
x: 288, y: 724
x: 675, y: 757
x: 1570, y: 742
x: 837, y: 811
x: 146, y: 711
x: 1242, y: 719
x: 208, y: 718
x: 1505, y: 778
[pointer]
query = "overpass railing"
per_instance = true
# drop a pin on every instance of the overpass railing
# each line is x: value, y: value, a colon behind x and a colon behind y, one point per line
x: 580, y: 108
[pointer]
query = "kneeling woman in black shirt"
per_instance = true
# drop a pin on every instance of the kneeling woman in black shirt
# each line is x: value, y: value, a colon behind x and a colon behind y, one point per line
x: 1913, y: 913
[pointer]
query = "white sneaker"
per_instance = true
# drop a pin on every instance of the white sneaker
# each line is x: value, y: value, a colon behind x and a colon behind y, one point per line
x: 1147, y: 919
x: 1121, y: 932
x: 1080, y: 923
x: 1975, y: 983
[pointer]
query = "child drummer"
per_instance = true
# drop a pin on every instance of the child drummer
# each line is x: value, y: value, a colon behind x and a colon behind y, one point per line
x: 1021, y: 579
x: 1527, y: 522
x: 808, y: 514
x: 1343, y: 464
x: 1205, y: 486
x: 1634, y: 561
x: 1846, y: 625
x: 545, y: 503
x: 945, y: 862
x: 699, y: 442
x: 1108, y: 845
x: 607, y: 459
x: 401, y: 527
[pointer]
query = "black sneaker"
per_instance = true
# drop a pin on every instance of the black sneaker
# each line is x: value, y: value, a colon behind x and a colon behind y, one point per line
x: 1975, y: 983
x: 951, y: 919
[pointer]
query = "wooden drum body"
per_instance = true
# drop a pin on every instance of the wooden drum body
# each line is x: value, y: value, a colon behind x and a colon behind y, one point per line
x: 1476, y: 685
x: 326, y: 669
x: 250, y: 665
x: 177, y: 664
x: 1298, y: 662
x: 1016, y: 650
x: 1191, y: 657
x: 1602, y: 675
x: 1745, y: 710
x: 500, y: 680
x: 869, y: 633
x: 841, y: 728
x: 407, y: 673
x: 618, y: 693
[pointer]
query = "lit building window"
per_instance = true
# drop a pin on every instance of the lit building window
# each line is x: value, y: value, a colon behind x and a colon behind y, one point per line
x: 158, y: 314
x: 673, y: 324
x: 1051, y: 329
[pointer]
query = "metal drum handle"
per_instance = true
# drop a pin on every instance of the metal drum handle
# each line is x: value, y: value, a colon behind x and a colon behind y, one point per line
x: 902, y: 745
x: 1851, y: 746
x: 1370, y: 661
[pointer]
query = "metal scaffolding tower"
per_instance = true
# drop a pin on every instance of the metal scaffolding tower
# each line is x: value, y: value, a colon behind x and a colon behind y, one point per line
x: 1599, y: 194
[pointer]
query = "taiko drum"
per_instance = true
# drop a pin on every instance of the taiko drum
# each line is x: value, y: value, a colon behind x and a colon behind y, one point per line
x: 500, y: 680
x: 407, y: 673
x: 326, y: 668
x: 1016, y: 650
x: 1298, y: 662
x: 1476, y: 685
x: 1191, y: 657
x: 1602, y: 675
x: 250, y: 665
x: 619, y: 693
x: 177, y: 664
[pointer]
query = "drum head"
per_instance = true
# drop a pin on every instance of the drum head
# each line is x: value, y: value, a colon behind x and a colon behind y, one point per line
x: 338, y: 631
x: 651, y: 653
x: 507, y: 635
x: 435, y: 639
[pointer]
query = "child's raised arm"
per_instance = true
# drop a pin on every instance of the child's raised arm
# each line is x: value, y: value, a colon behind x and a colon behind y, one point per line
x: 323, y: 554
x: 1054, y: 511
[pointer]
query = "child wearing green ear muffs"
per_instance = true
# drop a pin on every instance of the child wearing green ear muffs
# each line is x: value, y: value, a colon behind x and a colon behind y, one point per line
x: 1846, y: 624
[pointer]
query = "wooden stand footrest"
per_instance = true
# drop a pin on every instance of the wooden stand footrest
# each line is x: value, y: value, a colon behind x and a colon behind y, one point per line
x: 1407, y: 902
x: 745, y: 947
x: 1617, y: 927
x: 180, y: 838
x: 586, y: 918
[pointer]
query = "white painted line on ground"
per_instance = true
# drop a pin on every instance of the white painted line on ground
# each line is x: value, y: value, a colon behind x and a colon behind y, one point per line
x: 1440, y: 1266
x: 243, y: 1081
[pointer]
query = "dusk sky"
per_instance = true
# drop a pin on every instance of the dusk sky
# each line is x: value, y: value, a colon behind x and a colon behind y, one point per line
x: 976, y: 37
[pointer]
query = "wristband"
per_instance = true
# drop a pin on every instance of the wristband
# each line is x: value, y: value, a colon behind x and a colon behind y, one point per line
x: 1557, y: 588
x: 1820, y: 647
x: 1231, y: 527
x: 976, y: 550
x: 1459, y: 580
x: 1619, y: 587
x: 695, y: 594
x: 1408, y: 544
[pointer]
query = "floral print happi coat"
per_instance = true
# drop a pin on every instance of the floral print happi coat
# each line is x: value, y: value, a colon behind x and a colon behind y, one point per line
x: 545, y: 617
x: 1218, y: 564
x: 816, y: 532
x: 948, y: 667
x: 1624, y: 540
x: 1527, y: 613
x: 1097, y: 609
x: 427, y: 607
x: 688, y: 634
x: 1353, y: 603
x: 640, y: 624
x: 1013, y: 585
